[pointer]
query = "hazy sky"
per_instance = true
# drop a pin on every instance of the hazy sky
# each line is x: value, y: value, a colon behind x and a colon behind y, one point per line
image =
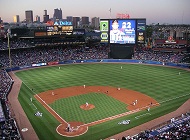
x: 155, y: 11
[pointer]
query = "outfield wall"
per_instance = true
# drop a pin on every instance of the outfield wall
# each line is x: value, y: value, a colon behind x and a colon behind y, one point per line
x: 100, y: 60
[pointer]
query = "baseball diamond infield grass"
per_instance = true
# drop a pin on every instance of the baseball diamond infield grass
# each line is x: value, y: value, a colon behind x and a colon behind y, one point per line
x: 107, y: 105
x: 164, y: 84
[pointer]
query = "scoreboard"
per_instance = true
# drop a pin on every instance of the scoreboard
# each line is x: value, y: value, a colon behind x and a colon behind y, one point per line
x: 59, y: 30
x: 123, y: 31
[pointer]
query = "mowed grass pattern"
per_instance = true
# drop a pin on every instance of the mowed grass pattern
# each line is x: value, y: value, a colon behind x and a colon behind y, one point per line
x: 162, y: 83
x: 105, y: 106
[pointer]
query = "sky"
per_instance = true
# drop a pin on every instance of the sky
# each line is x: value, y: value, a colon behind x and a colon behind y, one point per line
x: 155, y: 11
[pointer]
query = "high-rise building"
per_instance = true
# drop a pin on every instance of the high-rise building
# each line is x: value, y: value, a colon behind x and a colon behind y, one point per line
x: 95, y: 22
x: 76, y: 21
x: 85, y: 20
x: 69, y: 18
x: 16, y: 18
x: 45, y: 12
x: 45, y: 16
x: 57, y: 14
x: 29, y: 16
x: 37, y: 19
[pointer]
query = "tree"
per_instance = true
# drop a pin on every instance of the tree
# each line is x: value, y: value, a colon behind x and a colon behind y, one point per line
x: 149, y: 31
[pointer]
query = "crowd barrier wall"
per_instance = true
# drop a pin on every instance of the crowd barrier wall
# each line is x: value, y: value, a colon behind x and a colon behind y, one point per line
x: 100, y: 60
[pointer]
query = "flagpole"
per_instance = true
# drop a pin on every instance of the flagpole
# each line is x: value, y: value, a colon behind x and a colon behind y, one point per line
x: 110, y: 13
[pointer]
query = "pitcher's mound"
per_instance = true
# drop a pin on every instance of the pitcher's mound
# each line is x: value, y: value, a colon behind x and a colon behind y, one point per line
x: 90, y: 106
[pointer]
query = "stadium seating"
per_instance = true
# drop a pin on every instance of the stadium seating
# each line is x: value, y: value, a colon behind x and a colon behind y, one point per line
x: 8, y: 127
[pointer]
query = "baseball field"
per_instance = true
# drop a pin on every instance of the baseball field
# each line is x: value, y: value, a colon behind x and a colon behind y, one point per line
x: 114, y: 92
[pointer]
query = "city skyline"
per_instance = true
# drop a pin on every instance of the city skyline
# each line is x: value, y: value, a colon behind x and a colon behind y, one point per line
x: 160, y: 11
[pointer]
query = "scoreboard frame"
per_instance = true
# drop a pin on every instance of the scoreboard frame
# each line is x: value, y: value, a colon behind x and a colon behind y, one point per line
x: 138, y: 31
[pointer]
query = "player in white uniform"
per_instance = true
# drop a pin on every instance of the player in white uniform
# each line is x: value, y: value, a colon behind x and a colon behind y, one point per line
x: 115, y: 33
x: 136, y: 101
x: 86, y: 104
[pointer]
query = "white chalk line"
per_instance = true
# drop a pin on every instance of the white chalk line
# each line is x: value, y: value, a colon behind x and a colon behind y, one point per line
x: 137, y: 117
x: 175, y: 98
x: 47, y: 106
x: 31, y: 104
x: 46, y: 103
x: 72, y: 134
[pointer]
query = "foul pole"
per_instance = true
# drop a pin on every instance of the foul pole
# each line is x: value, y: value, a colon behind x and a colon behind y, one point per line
x: 10, y: 63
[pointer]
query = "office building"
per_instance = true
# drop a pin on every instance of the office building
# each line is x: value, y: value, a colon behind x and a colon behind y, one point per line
x: 16, y: 19
x: 76, y: 21
x: 37, y: 19
x: 57, y: 14
x: 45, y: 16
x: 95, y: 22
x: 29, y: 16
x: 69, y: 18
x: 85, y: 21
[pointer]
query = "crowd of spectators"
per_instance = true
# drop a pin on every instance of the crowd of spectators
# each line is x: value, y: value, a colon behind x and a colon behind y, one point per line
x: 41, y: 54
x: 29, y: 56
x: 15, y: 44
x: 150, y: 54
x: 177, y: 129
x: 8, y: 128
x: 172, y: 46
x: 5, y: 83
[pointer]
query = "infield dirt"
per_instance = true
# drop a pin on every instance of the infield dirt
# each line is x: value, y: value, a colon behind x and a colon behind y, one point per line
x: 135, y: 101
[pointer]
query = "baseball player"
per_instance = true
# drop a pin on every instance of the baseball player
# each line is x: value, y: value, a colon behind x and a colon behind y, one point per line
x: 134, y: 103
x: 68, y: 127
x: 148, y: 109
x: 84, y: 86
x: 86, y: 104
x: 52, y: 93
x: 31, y: 99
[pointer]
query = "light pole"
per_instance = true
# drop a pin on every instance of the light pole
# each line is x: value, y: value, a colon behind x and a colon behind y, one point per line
x: 8, y: 40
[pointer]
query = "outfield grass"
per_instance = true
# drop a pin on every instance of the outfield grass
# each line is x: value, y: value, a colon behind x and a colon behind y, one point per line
x: 162, y: 83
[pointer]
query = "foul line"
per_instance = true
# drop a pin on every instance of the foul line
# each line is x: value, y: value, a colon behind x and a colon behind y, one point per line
x: 34, y: 106
x: 47, y: 106
x: 137, y: 117
x: 175, y: 98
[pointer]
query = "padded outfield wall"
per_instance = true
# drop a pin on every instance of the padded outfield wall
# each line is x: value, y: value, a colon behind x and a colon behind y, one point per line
x: 100, y: 60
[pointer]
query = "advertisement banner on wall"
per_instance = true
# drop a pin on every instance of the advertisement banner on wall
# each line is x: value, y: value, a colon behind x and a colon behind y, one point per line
x: 39, y: 64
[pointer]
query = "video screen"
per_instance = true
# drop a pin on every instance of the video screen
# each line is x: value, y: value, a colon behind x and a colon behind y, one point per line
x: 141, y: 24
x: 67, y: 29
x: 122, y: 31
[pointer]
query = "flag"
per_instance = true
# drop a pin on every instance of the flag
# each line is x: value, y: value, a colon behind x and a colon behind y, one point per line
x: 110, y: 9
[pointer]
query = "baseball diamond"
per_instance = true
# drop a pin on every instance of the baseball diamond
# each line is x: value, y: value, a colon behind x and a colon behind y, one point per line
x: 124, y: 95
x: 107, y: 105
